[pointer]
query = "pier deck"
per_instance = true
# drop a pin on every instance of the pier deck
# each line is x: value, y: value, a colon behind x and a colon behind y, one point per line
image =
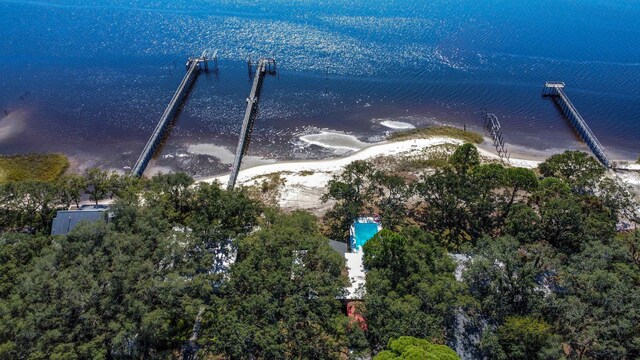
x: 265, y: 66
x: 194, y: 67
x: 555, y: 90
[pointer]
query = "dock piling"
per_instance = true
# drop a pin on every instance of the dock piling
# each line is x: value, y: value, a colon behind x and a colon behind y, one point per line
x: 264, y: 66
x: 494, y: 129
x: 555, y: 90
x: 194, y: 67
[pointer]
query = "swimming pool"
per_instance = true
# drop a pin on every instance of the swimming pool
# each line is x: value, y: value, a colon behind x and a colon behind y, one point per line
x: 361, y: 233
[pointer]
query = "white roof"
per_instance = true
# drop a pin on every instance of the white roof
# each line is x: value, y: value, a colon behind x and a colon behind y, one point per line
x: 357, y: 277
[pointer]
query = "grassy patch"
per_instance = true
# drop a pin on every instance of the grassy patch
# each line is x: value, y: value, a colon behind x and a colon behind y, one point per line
x: 306, y: 173
x: 268, y: 189
x: 447, y: 131
x: 272, y: 182
x: 41, y: 167
x: 420, y: 164
x: 432, y: 157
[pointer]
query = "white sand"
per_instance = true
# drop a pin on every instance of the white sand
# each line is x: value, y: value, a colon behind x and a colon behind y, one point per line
x: 523, y: 163
x: 334, y: 140
x: 334, y: 165
x: 406, y: 147
x: 634, y: 167
x: 224, y: 154
x: 304, y: 190
x: 398, y: 125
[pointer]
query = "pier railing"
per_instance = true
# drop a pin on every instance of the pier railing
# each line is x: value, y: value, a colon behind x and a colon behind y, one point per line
x: 265, y: 66
x: 194, y: 66
x: 494, y: 129
x: 555, y: 90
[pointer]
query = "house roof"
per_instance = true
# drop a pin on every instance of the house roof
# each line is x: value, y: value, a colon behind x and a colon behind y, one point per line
x: 66, y: 220
x: 338, y: 246
x: 357, y: 276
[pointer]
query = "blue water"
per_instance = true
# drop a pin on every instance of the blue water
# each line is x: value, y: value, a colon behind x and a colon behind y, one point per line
x: 91, y: 78
x: 363, y: 233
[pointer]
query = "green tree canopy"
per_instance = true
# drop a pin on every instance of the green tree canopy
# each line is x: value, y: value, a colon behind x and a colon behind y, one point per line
x: 97, y: 184
x: 465, y: 157
x: 407, y: 347
x: 130, y: 289
x: 280, y: 301
x: 579, y: 169
x: 410, y: 288
x: 353, y: 190
x: 528, y: 338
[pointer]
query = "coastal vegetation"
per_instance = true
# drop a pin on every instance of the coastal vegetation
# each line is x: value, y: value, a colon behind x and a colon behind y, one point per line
x: 543, y: 259
x: 444, y: 131
x: 267, y: 190
x: 430, y: 157
x: 528, y: 263
x: 411, y: 289
x: 35, y: 167
x: 407, y: 347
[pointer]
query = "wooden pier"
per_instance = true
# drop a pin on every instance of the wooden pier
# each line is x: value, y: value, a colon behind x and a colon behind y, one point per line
x: 555, y: 90
x: 494, y: 129
x: 194, y: 67
x: 265, y: 66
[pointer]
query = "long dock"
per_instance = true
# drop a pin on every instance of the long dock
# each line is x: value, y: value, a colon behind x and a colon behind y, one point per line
x: 194, y: 67
x: 265, y: 66
x: 555, y: 90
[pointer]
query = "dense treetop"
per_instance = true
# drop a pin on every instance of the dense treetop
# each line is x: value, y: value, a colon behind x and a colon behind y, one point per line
x: 544, y: 260
x: 498, y: 262
x: 407, y: 347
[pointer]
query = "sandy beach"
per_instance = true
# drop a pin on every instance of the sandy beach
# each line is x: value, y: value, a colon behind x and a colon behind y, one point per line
x: 304, y: 182
x: 386, y: 148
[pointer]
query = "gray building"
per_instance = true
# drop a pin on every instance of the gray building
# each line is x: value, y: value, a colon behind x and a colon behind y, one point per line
x: 66, y: 220
x: 338, y: 246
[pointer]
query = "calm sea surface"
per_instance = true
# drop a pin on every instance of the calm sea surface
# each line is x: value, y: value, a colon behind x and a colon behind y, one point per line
x: 91, y: 78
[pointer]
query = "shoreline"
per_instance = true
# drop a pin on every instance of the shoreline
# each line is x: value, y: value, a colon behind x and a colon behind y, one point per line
x: 383, y: 148
x: 520, y: 155
x: 300, y: 185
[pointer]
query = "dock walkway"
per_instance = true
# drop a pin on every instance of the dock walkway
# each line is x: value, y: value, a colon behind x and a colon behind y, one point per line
x: 555, y: 90
x: 265, y: 66
x: 194, y: 67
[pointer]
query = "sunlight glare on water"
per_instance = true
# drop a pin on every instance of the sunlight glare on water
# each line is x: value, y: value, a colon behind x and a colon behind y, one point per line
x: 91, y: 78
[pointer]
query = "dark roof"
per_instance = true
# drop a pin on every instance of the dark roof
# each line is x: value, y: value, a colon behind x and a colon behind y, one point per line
x: 94, y: 207
x: 66, y: 220
x: 338, y: 246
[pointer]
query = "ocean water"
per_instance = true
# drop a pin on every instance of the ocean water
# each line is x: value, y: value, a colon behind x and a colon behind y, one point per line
x: 91, y: 78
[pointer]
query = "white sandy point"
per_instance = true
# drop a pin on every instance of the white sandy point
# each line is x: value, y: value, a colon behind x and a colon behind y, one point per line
x: 380, y: 149
x: 334, y: 140
x: 399, y: 125
x: 334, y: 165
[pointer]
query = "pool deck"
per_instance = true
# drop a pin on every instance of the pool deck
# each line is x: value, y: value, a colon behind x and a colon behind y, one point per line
x: 355, y: 257
x: 357, y: 276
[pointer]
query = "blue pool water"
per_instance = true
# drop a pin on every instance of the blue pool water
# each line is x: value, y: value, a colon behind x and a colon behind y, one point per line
x: 90, y: 78
x: 363, y: 232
